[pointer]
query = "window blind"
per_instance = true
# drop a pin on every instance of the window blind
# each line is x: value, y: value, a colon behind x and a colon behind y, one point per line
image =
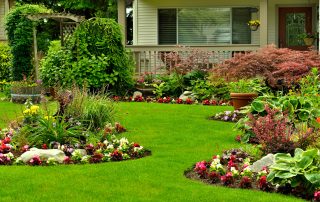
x: 241, y: 33
x: 167, y: 26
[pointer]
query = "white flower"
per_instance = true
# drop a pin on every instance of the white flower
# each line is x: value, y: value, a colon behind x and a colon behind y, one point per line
x: 110, y: 146
x: 124, y: 141
x: 51, y: 160
x: 10, y: 155
x: 136, y: 149
x: 216, y: 161
x: 105, y: 142
x: 85, y: 159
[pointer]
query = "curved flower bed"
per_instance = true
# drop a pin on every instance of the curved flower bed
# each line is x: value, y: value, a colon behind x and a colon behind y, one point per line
x: 111, y: 149
x: 233, y: 169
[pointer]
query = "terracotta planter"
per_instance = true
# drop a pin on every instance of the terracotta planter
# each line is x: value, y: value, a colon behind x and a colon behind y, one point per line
x: 308, y: 41
x: 242, y: 99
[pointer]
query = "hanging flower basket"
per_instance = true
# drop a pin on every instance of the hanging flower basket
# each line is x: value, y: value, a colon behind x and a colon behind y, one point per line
x: 308, y: 41
x: 254, y: 25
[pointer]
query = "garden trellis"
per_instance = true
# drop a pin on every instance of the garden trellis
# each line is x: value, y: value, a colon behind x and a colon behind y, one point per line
x: 67, y: 22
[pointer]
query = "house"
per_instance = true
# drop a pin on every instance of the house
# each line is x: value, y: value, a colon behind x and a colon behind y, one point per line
x: 5, y: 5
x: 216, y: 25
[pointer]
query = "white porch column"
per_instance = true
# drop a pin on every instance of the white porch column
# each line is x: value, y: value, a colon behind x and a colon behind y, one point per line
x: 6, y: 6
x: 6, y: 10
x: 122, y: 19
x: 264, y: 23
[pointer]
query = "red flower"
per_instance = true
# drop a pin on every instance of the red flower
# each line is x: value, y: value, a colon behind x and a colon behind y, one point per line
x: 214, y: 102
x: 160, y: 100
x: 263, y: 184
x: 245, y: 182
x: 136, y: 145
x: 35, y: 161
x: 6, y: 140
x: 206, y: 102
x: 318, y: 120
x: 189, y: 101
x: 44, y: 146
x: 179, y: 101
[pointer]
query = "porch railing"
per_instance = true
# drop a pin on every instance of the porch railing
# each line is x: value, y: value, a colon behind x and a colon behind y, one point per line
x: 161, y: 59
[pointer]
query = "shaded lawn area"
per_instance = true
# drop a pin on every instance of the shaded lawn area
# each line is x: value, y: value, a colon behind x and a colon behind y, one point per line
x: 177, y: 135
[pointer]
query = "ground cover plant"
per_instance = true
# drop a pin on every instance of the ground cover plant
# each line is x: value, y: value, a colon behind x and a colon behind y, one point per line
x: 158, y: 177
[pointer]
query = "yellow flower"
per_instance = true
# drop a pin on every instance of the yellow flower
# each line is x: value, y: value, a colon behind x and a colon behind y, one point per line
x: 49, y: 118
x: 34, y: 109
x: 27, y: 111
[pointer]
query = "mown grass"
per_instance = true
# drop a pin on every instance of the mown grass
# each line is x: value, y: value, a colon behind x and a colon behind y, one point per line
x: 177, y: 135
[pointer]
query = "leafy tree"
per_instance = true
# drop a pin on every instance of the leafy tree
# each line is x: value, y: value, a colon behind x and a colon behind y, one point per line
x: 20, y: 37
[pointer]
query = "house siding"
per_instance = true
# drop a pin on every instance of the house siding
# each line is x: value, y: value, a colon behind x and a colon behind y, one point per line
x: 146, y: 19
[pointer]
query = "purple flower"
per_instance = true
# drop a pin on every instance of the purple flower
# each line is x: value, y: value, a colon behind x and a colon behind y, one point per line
x: 226, y: 118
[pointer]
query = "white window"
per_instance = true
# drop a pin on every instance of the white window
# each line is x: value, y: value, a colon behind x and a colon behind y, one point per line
x: 204, y: 26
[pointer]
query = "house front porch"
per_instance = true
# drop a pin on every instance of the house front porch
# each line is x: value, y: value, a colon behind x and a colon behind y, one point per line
x: 160, y: 27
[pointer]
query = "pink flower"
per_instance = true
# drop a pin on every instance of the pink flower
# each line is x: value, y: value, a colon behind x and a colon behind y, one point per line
x: 25, y: 148
x: 316, y: 196
x: 35, y: 161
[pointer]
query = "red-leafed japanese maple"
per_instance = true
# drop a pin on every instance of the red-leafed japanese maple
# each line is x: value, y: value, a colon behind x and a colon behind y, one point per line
x: 280, y: 66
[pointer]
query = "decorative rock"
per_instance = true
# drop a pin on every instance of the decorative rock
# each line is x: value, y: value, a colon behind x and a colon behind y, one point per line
x: 44, y: 154
x: 136, y: 94
x: 187, y: 94
x: 265, y: 161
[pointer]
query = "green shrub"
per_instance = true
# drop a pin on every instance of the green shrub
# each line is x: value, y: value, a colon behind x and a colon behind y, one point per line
x: 20, y: 37
x: 5, y: 62
x: 54, y: 66
x: 99, y: 57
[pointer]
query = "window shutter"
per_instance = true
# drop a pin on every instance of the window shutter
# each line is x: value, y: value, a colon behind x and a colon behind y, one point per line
x: 167, y: 22
x: 204, y: 26
x: 241, y: 33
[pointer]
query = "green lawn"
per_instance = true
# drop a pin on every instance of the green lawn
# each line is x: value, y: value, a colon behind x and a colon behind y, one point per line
x: 177, y: 135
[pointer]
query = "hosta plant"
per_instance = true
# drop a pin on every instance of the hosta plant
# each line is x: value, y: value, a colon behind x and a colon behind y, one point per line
x: 300, y: 170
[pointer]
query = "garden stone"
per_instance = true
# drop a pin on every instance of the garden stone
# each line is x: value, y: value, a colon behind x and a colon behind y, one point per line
x: 265, y: 161
x: 44, y: 154
x: 187, y: 94
x: 136, y: 94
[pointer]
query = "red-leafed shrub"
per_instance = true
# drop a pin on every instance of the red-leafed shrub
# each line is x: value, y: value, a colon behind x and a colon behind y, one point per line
x: 273, y: 131
x: 280, y: 66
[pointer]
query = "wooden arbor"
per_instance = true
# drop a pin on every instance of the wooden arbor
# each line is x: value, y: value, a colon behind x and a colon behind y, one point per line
x: 67, y: 22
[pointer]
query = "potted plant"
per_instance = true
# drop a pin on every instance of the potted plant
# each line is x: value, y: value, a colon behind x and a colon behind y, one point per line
x: 244, y: 91
x: 254, y: 25
x: 308, y: 38
x: 23, y: 90
x: 145, y: 83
